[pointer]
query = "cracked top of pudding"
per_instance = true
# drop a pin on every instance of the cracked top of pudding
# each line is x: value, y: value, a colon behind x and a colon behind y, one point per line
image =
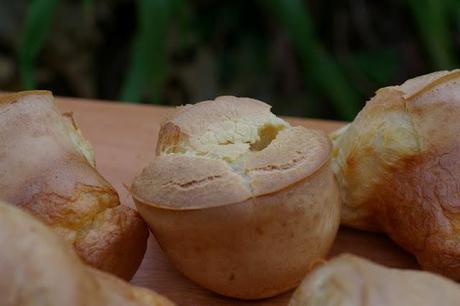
x: 226, y: 151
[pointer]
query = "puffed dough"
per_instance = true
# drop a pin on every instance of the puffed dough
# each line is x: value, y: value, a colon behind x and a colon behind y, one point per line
x: 398, y: 168
x: 348, y: 280
x: 48, y: 168
x: 38, y: 268
x: 240, y: 201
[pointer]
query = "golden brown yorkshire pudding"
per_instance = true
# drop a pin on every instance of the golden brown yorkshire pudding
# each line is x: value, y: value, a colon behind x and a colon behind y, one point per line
x: 398, y: 167
x: 241, y: 202
x: 47, y: 167
x: 37, y: 268
x: 348, y: 280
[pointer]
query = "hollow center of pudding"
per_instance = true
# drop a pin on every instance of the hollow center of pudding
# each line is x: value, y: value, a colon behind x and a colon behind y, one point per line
x: 229, y: 140
x: 267, y: 133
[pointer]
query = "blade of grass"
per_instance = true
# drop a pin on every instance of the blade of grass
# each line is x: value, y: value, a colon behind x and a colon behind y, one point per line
x: 36, y: 27
x: 432, y: 20
x: 318, y: 65
x: 148, y: 59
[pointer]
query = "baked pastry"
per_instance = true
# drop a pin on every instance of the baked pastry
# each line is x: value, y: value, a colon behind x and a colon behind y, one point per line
x: 348, y: 280
x: 37, y: 268
x: 398, y: 167
x: 47, y: 168
x: 240, y: 201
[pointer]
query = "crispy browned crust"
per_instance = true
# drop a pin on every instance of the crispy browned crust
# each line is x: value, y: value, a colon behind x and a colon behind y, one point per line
x: 39, y: 269
x: 46, y: 167
x: 350, y: 280
x: 398, y: 167
x: 115, y: 242
x: 420, y: 210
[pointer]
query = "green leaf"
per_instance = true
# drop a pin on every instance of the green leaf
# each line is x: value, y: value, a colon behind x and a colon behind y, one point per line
x: 432, y: 20
x: 148, y: 59
x: 318, y: 65
x: 37, y: 23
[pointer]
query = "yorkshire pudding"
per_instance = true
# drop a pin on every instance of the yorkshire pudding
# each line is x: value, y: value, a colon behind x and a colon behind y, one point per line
x: 348, y: 280
x: 241, y: 202
x: 398, y: 167
x: 48, y: 168
x: 38, y: 268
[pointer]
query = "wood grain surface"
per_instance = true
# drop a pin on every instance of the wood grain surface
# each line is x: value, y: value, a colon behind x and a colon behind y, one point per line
x: 123, y: 137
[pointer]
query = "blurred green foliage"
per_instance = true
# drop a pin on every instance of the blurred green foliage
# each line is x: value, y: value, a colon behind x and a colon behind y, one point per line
x: 148, y: 62
x: 319, y: 58
x: 36, y: 27
x: 318, y: 65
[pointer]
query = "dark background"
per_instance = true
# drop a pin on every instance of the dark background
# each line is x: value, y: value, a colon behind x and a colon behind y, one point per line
x: 319, y: 58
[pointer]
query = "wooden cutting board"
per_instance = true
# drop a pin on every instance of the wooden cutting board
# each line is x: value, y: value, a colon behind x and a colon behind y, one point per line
x: 123, y: 137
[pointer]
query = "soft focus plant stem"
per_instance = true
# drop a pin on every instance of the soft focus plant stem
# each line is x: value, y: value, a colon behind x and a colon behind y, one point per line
x: 36, y: 27
x: 148, y: 60
x: 319, y: 66
x: 432, y: 20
